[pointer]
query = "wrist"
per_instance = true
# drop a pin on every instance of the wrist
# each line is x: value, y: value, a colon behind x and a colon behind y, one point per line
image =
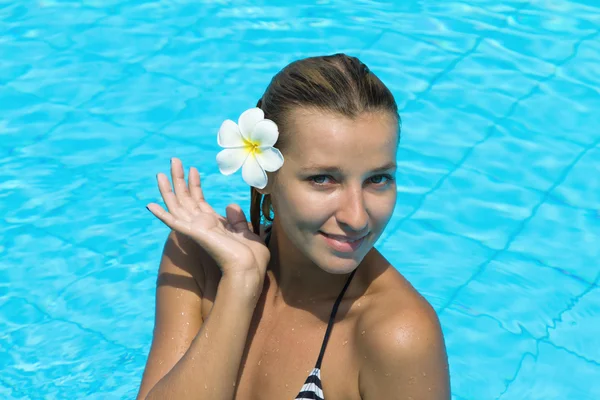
x: 245, y: 287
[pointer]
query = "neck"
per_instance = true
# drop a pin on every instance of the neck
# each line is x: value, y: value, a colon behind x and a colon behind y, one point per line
x: 298, y: 280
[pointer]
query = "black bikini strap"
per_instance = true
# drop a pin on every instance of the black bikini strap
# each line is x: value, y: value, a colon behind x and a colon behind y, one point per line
x: 332, y: 320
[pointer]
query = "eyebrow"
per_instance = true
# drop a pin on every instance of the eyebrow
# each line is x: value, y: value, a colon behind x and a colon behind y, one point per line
x: 333, y: 169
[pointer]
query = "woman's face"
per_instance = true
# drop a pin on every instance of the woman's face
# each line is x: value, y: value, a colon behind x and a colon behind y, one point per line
x: 336, y: 190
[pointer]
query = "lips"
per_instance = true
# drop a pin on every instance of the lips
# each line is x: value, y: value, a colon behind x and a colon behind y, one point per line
x: 343, y: 244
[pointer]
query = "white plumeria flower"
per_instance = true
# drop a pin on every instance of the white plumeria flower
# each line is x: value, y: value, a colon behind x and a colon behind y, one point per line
x: 249, y: 144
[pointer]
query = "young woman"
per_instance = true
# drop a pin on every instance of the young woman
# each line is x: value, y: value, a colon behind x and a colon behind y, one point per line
x: 303, y: 306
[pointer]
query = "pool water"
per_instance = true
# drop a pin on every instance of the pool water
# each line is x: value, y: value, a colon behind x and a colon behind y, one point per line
x: 498, y: 215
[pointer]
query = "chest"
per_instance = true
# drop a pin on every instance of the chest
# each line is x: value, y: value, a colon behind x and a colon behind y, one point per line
x: 283, y: 346
x: 282, y: 350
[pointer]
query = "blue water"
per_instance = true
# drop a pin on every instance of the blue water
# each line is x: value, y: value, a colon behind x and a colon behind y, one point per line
x: 497, y: 222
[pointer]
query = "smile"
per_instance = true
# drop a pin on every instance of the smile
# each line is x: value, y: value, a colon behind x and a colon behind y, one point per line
x: 343, y: 244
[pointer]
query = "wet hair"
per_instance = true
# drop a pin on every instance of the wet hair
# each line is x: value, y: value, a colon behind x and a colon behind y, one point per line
x: 337, y: 83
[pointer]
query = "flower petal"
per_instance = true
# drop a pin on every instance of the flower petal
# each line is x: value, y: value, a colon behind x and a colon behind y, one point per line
x: 230, y: 160
x: 270, y: 159
x: 265, y: 132
x: 229, y: 135
x: 248, y: 120
x: 253, y: 173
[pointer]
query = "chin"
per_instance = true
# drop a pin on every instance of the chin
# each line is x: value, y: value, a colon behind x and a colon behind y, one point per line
x: 339, y: 265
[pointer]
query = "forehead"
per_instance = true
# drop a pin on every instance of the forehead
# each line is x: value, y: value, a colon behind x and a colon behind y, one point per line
x: 327, y: 138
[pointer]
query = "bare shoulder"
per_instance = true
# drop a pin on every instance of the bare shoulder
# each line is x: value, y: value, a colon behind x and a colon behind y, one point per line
x: 397, y: 314
x: 182, y: 256
x: 188, y: 266
x: 401, y: 344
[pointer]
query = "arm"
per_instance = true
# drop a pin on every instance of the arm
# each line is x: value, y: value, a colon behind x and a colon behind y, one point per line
x: 405, y: 358
x: 177, y: 318
x: 202, y: 359
x: 190, y: 357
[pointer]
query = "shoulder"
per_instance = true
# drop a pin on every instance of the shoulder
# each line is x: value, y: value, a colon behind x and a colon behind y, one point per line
x: 399, y: 326
x: 182, y: 257
x: 400, y: 344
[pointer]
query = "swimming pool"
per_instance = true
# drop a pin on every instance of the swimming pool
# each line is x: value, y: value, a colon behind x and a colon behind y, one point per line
x: 498, y: 215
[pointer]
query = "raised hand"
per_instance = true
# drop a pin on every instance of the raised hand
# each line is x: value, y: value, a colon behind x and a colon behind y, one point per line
x: 230, y: 242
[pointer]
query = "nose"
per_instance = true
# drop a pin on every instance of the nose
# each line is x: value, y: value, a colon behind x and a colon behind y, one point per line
x: 352, y: 213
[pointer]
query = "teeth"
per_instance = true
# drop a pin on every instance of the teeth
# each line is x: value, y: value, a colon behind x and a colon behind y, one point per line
x: 344, y: 240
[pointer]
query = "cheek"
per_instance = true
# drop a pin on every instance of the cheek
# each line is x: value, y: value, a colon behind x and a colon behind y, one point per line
x: 309, y: 212
x: 296, y: 206
x: 382, y: 209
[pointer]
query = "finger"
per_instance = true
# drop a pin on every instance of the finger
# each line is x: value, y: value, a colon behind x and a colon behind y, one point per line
x: 170, y: 199
x: 180, y: 185
x: 236, y: 218
x: 196, y: 192
x: 167, y: 218
x: 195, y: 185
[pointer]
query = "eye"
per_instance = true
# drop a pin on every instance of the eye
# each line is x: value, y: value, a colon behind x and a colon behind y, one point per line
x: 381, y: 179
x: 320, y: 179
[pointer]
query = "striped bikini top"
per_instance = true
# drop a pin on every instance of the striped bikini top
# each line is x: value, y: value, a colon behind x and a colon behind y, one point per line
x: 312, y: 388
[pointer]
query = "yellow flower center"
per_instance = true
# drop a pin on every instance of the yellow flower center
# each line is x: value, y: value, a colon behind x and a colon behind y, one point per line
x: 252, y: 147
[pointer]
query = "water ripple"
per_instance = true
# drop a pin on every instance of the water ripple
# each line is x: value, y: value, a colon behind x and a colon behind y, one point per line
x: 497, y: 216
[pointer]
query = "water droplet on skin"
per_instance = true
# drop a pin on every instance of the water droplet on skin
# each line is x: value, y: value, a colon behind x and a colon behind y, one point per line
x: 259, y: 361
x: 363, y: 332
x: 205, y: 386
x: 412, y: 380
x: 388, y: 374
x: 429, y: 389
x: 345, y: 343
x: 424, y: 374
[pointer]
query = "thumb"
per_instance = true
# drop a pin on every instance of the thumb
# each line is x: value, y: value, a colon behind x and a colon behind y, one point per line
x: 236, y: 218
